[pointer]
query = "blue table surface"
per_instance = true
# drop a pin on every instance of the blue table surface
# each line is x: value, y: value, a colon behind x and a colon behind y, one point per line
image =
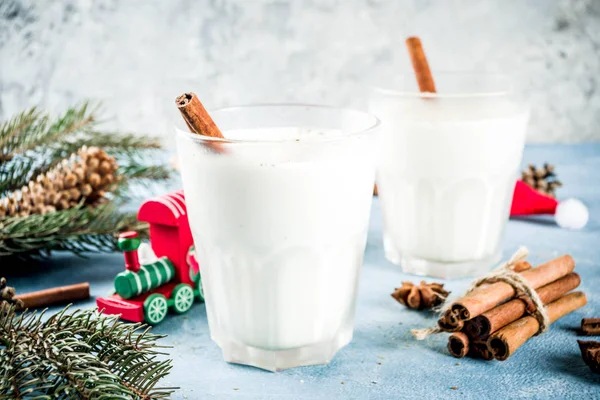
x: 383, y: 361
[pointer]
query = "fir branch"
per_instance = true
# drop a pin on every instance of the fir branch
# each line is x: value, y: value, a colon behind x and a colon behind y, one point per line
x: 41, y: 133
x: 27, y: 138
x: 151, y: 172
x: 16, y: 176
x: 10, y: 130
x: 140, y: 177
x: 118, y: 142
x: 32, y: 143
x: 78, y: 230
x: 83, y: 354
x: 123, y: 146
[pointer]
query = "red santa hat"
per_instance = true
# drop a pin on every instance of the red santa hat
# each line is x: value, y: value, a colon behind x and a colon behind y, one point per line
x: 569, y: 214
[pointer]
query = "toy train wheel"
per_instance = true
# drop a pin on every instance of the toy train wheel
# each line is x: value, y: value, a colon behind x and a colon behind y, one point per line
x: 155, y: 308
x: 183, y: 298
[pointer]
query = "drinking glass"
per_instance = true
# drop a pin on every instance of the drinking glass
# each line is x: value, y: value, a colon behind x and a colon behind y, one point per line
x: 447, y: 170
x: 279, y: 212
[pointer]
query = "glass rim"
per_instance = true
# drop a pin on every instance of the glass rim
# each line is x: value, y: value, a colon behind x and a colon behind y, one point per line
x: 450, y: 95
x: 372, y: 126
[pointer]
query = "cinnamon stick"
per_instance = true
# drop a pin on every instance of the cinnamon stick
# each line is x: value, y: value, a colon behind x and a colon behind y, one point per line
x: 521, y: 266
x: 487, y: 323
x: 196, y: 117
x: 590, y: 326
x: 458, y: 344
x: 420, y: 65
x: 421, y: 69
x: 487, y: 297
x: 508, y: 339
x: 479, y: 349
x: 61, y: 294
x: 449, y: 322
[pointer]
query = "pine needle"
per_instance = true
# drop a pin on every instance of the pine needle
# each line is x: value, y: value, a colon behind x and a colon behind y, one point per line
x: 31, y: 130
x: 83, y: 354
x: 11, y: 130
x: 78, y: 230
x: 31, y: 143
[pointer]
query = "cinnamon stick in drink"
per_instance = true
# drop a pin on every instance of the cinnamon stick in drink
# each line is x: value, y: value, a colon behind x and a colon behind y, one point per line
x: 422, y: 71
x: 57, y: 295
x: 420, y: 65
x: 490, y: 321
x: 196, y: 117
x: 508, y: 339
x: 198, y: 120
x: 487, y: 297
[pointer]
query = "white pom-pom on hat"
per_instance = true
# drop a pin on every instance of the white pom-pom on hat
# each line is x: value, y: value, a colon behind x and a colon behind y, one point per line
x: 571, y: 214
x: 568, y: 214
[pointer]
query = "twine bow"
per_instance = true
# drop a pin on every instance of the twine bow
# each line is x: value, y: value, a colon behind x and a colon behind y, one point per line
x: 503, y: 273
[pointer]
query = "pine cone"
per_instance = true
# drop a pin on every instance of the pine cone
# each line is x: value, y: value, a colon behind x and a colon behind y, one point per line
x: 424, y: 296
x: 7, y: 293
x: 542, y: 179
x: 85, y: 176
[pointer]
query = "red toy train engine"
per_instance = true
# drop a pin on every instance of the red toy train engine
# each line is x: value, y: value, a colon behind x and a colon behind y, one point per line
x: 144, y: 292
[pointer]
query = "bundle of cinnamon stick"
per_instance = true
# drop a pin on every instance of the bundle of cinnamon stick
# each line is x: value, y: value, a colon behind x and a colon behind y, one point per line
x: 493, y: 321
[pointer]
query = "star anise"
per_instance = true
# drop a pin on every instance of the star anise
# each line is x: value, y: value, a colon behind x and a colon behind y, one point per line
x: 590, y: 351
x: 424, y: 296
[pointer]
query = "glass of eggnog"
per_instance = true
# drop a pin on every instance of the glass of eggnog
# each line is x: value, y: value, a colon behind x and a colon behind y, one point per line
x: 279, y: 212
x: 448, y: 164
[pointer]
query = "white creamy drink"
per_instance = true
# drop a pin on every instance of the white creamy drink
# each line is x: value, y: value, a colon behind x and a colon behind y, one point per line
x: 446, y: 178
x: 280, y: 229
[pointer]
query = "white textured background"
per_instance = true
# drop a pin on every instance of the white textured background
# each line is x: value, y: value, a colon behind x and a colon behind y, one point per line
x: 137, y: 55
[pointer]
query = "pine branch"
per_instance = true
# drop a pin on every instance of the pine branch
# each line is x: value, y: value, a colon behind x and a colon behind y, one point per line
x: 126, y: 143
x: 41, y: 133
x: 79, y: 355
x: 78, y: 230
x: 123, y: 146
x: 10, y: 130
x: 32, y: 143
x: 16, y: 176
x: 151, y: 172
x: 25, y: 141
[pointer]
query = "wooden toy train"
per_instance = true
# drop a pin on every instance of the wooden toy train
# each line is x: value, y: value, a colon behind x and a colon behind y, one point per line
x: 145, y: 292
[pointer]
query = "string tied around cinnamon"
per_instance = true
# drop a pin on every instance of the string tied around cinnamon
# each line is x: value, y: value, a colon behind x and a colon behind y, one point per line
x: 503, y: 273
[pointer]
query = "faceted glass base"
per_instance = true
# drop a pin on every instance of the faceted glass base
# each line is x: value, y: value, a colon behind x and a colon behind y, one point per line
x: 278, y: 360
x: 441, y: 269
